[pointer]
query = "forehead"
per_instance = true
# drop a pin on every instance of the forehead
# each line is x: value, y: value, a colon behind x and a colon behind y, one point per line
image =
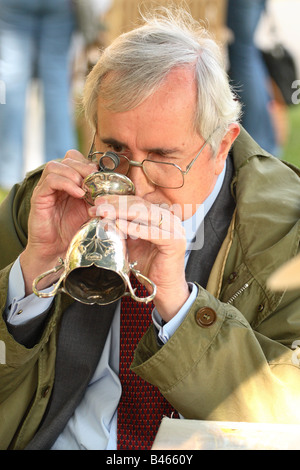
x: 168, y: 112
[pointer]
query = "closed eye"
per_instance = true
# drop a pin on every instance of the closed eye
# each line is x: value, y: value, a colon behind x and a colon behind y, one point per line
x: 162, y: 156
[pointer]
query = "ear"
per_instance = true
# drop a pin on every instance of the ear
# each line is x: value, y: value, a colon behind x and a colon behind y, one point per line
x: 226, y: 143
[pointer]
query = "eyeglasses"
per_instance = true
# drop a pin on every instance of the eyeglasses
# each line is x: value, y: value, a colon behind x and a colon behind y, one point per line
x: 163, y: 174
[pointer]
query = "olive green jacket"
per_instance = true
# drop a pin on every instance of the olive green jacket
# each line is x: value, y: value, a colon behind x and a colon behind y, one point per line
x: 233, y: 358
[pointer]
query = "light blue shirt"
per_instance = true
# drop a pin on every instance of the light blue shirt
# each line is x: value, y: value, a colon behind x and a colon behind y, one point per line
x: 93, y: 425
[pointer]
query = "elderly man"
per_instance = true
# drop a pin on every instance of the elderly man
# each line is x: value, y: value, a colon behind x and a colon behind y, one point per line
x: 212, y: 216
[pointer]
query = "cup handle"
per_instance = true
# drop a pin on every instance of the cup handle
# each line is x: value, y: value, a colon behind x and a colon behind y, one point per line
x: 56, y: 285
x: 139, y: 275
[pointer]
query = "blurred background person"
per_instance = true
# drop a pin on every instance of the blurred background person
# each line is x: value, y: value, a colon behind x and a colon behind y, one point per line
x: 248, y: 72
x: 35, y: 41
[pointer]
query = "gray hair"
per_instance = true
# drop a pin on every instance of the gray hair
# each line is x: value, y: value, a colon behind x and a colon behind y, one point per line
x: 136, y: 63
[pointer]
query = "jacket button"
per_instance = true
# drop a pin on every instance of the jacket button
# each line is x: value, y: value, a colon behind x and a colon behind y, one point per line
x: 232, y: 277
x: 206, y: 317
x: 45, y: 391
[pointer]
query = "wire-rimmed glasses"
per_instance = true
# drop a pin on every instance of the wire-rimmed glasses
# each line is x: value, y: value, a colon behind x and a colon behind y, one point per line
x: 163, y: 174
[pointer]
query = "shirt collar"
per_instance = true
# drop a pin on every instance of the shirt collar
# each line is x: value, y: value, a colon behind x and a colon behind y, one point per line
x: 192, y: 224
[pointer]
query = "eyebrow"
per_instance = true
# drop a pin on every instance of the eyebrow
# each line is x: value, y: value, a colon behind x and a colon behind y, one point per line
x: 110, y: 140
x: 158, y: 150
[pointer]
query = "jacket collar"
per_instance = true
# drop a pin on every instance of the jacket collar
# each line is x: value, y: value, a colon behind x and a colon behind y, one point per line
x: 245, y: 148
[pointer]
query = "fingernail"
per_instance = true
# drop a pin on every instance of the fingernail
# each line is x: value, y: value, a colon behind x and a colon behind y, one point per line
x: 81, y: 193
x: 92, y: 211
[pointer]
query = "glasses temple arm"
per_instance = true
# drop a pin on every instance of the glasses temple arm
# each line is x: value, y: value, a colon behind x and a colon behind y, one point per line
x: 189, y: 166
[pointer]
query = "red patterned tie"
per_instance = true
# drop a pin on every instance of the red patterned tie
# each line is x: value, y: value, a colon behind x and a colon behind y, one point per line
x: 141, y: 406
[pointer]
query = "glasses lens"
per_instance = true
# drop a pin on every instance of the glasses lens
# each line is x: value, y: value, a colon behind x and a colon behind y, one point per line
x: 109, y: 161
x: 163, y: 174
x: 114, y: 162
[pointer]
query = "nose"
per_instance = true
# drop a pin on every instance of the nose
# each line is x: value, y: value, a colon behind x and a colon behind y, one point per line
x: 142, y: 184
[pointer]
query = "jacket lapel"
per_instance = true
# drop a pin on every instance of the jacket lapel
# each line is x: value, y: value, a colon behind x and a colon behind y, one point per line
x: 215, y: 227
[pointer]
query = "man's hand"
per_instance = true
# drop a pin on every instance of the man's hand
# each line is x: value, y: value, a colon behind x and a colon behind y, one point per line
x: 156, y: 240
x: 57, y: 212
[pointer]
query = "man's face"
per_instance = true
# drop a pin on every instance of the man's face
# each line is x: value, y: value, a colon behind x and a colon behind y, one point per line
x: 163, y: 127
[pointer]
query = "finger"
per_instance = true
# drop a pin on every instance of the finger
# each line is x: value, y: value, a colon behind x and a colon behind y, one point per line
x: 53, y: 181
x: 132, y: 208
x: 151, y: 233
x: 71, y: 169
x: 80, y: 166
x: 76, y: 156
